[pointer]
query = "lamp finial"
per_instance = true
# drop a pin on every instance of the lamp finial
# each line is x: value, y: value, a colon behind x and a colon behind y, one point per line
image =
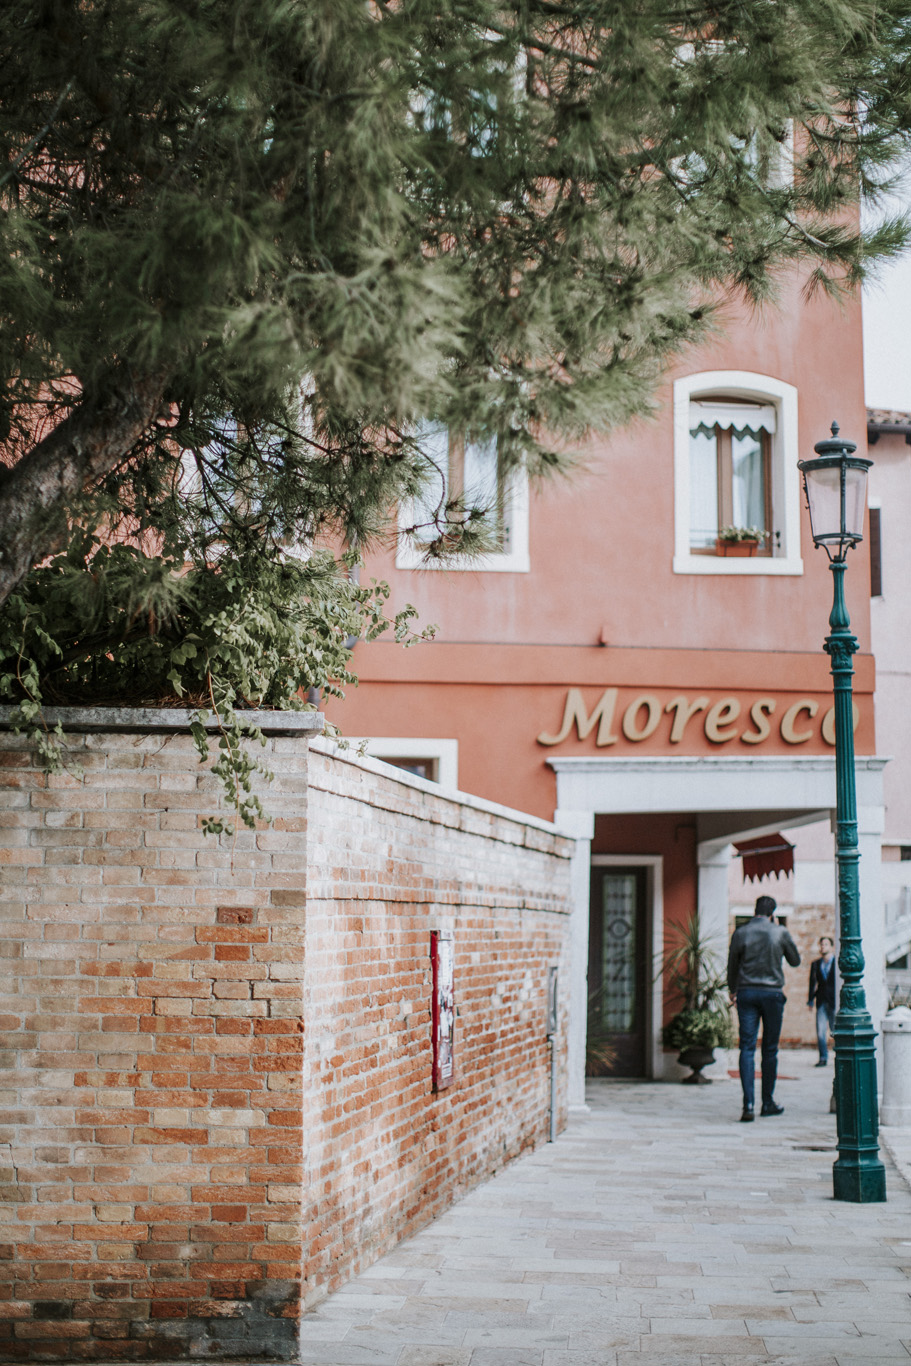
x: 835, y: 429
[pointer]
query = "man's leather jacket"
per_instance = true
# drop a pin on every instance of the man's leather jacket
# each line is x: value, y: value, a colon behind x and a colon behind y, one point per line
x: 757, y: 949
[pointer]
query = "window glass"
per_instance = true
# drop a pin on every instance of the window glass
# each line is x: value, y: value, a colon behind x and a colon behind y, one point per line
x: 618, y: 963
x: 465, y: 482
x: 876, y: 553
x: 458, y: 469
x: 748, y: 479
x: 421, y: 768
x: 433, y: 441
x: 483, y: 482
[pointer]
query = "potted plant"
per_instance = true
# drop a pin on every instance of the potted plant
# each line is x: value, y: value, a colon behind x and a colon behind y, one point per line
x: 704, y: 1021
x: 739, y: 540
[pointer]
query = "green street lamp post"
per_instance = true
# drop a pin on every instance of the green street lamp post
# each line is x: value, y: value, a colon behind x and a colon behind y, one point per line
x: 835, y: 486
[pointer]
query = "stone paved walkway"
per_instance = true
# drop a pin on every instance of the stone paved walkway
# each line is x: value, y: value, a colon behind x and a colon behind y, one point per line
x: 657, y: 1231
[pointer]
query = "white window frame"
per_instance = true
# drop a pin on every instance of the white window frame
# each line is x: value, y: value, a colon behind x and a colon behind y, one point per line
x: 749, y: 387
x: 444, y: 752
x: 514, y: 560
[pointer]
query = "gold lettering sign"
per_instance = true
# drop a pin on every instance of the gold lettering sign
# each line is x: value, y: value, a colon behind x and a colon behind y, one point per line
x: 789, y: 732
x: 683, y: 710
x: 760, y: 712
x: 574, y: 713
x: 631, y: 728
x: 720, y: 719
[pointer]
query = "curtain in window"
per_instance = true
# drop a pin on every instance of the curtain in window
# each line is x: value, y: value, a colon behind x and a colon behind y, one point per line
x: 747, y: 479
x: 703, y: 487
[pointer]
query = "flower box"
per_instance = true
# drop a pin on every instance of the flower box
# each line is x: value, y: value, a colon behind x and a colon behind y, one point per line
x: 741, y: 548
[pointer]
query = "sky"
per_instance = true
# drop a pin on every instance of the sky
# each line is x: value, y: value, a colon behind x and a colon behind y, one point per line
x: 887, y: 332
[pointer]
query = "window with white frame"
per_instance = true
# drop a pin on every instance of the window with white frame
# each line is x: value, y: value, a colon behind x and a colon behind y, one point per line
x: 730, y: 471
x: 433, y: 759
x: 736, y: 477
x: 469, y: 473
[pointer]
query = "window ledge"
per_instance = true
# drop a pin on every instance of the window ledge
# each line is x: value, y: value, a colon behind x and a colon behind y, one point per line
x: 732, y: 565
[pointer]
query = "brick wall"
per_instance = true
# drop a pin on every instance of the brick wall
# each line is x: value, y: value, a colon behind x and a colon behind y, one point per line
x: 212, y: 1089
x: 385, y: 1152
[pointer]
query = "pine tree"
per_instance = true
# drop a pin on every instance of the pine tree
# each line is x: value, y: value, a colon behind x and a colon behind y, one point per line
x: 250, y: 245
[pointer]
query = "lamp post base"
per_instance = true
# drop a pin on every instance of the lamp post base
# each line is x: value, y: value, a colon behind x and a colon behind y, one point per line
x: 858, y: 1174
x: 862, y: 1184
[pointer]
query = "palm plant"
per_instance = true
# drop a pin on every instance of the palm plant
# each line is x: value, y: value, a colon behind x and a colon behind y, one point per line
x: 694, y: 974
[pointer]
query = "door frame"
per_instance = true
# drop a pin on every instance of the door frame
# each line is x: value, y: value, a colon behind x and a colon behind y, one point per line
x: 654, y: 937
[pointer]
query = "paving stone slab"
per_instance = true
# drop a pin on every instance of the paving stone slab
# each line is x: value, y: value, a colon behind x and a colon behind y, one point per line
x: 348, y: 1354
x: 436, y: 1354
x: 579, y: 1357
x: 506, y: 1337
x: 505, y: 1356
x: 685, y: 1347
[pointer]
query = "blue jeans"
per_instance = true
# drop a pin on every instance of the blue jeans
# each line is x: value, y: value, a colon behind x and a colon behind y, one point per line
x: 757, y: 1005
x: 825, y: 1019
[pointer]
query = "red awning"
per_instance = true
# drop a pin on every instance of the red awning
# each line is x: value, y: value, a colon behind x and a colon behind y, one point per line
x: 767, y: 855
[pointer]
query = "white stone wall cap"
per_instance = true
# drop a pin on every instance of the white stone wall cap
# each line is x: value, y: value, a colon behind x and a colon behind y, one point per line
x: 400, y: 775
x: 140, y: 719
x: 898, y: 1018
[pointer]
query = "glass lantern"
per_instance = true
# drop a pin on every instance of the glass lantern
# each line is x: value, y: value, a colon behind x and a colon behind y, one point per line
x: 836, y: 485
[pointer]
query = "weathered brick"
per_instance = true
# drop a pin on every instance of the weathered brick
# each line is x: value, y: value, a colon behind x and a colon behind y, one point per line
x: 199, y: 1022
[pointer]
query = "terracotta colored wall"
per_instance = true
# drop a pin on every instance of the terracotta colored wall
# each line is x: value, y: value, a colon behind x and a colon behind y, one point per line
x: 601, y: 606
x: 601, y: 542
x: 497, y: 720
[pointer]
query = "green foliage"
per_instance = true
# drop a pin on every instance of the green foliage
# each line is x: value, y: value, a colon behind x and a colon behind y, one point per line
x: 742, y: 533
x: 699, y: 1029
x: 328, y: 219
x: 693, y: 974
x: 105, y: 624
x: 289, y: 231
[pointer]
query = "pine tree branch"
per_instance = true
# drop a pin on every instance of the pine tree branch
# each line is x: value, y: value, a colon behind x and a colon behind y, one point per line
x: 37, y: 493
x: 38, y: 139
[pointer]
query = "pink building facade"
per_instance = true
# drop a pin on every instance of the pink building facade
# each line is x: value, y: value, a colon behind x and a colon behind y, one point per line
x: 618, y: 668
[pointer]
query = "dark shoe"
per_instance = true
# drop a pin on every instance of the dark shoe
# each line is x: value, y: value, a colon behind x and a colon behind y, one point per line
x: 823, y: 1062
x: 747, y: 1115
x: 770, y: 1108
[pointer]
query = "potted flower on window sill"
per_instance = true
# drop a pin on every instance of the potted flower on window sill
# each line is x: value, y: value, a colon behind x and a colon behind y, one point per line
x: 739, y: 540
x: 704, y: 1022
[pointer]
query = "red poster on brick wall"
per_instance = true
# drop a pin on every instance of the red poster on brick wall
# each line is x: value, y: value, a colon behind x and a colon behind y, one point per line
x: 442, y: 960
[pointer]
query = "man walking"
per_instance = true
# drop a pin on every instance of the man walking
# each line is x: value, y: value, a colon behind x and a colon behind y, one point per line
x: 755, y: 981
x: 822, y: 995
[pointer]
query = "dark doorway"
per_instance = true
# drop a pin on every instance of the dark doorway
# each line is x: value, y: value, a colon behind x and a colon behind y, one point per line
x: 617, y: 958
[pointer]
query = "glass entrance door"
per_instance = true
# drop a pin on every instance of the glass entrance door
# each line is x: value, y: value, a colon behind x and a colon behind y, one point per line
x: 617, y: 979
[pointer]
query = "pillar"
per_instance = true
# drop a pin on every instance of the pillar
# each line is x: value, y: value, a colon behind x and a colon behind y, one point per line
x: 580, y: 826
